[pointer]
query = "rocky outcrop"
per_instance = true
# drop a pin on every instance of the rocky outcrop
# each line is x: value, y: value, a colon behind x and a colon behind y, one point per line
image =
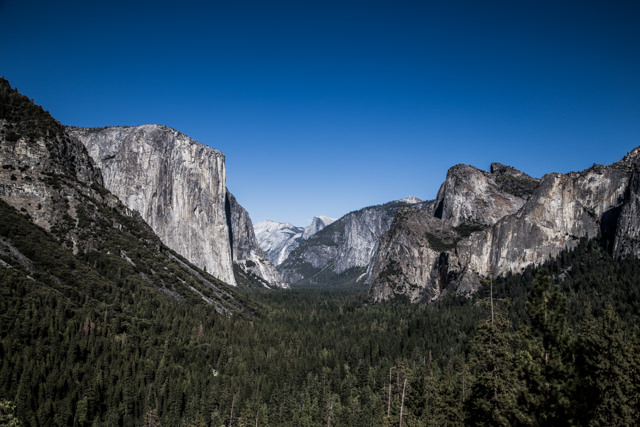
x: 411, y: 258
x: 245, y: 251
x: 470, y: 195
x: 44, y: 172
x: 178, y: 187
x: 563, y: 209
x: 175, y: 183
x: 492, y: 224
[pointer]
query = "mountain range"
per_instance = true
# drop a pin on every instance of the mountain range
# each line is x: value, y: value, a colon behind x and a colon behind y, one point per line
x: 489, y: 224
x: 151, y: 179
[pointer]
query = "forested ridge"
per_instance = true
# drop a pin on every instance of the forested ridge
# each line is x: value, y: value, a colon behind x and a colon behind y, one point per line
x: 83, y: 343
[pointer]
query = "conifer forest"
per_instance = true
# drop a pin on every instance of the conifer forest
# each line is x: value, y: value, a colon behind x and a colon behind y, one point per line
x: 555, y: 345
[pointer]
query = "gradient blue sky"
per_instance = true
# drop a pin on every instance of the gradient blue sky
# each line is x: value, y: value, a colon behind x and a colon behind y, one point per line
x: 323, y: 107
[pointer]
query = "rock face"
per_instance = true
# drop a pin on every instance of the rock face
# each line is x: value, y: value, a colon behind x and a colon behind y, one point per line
x: 486, y: 225
x: 179, y: 188
x: 175, y: 183
x: 245, y: 251
x: 341, y: 252
x: 317, y: 224
x: 409, y: 254
x: 470, y: 195
x: 279, y: 239
x: 626, y: 240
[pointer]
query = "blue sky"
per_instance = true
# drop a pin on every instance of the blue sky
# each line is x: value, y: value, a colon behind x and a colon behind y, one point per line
x: 323, y: 107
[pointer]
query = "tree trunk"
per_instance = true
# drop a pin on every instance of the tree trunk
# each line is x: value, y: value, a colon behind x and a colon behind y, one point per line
x: 404, y: 387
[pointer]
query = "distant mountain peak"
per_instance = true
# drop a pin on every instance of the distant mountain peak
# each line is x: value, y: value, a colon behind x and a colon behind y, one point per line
x: 279, y: 239
x: 411, y: 200
x: 317, y: 224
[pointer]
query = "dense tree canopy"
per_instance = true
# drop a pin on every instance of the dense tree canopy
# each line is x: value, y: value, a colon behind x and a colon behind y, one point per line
x: 562, y: 349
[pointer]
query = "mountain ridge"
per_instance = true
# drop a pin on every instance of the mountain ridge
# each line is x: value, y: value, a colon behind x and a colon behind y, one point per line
x: 522, y: 225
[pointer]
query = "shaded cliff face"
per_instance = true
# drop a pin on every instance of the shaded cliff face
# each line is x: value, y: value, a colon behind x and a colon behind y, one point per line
x: 627, y: 233
x: 409, y: 258
x: 175, y: 183
x: 600, y: 201
x: 342, y: 251
x: 245, y: 250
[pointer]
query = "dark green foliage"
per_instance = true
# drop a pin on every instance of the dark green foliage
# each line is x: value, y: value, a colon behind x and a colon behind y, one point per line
x: 519, y: 186
x: 465, y: 229
x: 440, y: 243
x: 547, y: 366
x: 607, y: 368
x: 562, y: 373
x: 23, y: 117
x: 80, y: 347
x: 326, y: 277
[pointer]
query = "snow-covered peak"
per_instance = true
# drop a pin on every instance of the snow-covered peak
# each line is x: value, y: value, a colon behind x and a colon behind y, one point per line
x: 410, y: 200
x: 317, y: 224
x: 277, y: 239
x: 269, y: 226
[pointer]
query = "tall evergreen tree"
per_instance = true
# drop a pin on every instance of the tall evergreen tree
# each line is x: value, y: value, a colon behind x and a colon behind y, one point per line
x: 546, y: 360
x: 604, y: 363
x: 494, y: 394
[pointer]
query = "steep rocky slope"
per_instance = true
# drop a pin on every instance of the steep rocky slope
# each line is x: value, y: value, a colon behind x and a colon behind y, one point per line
x: 245, y: 251
x: 44, y: 172
x: 491, y: 224
x: 50, y: 188
x: 342, y: 251
x: 178, y: 187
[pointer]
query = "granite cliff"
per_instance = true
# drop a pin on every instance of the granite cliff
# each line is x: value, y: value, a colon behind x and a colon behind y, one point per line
x: 488, y: 224
x: 470, y: 195
x: 52, y: 192
x: 179, y: 188
x: 245, y: 251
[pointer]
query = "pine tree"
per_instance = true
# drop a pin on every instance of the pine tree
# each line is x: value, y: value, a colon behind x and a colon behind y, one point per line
x: 494, y: 394
x: 604, y: 363
x: 546, y: 360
